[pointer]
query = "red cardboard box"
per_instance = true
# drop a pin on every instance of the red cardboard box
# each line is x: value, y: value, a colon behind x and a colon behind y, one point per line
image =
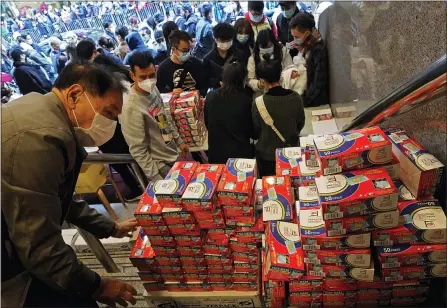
x: 211, y: 224
x: 186, y: 99
x: 335, y: 296
x: 157, y: 230
x: 341, y: 272
x: 373, y: 294
x: 149, y: 276
x: 241, y: 221
x: 184, y: 251
x: 306, y: 297
x: 420, y: 170
x: 193, y: 261
x: 407, y: 301
x: 404, y: 193
x: 173, y: 277
x: 413, y: 291
x: 285, y: 256
x: 249, y: 248
x: 250, y: 234
x: 404, y: 255
x: 425, y: 222
x: 233, y: 211
x: 220, y: 269
x: 414, y: 272
x: 308, y: 173
x: 243, y: 277
x: 356, y: 149
x: 194, y: 269
x: 187, y: 229
x: 168, y: 261
x: 200, y: 192
x: 236, y: 185
x: 188, y: 241
x: 219, y: 233
x: 212, y: 214
x: 244, y: 267
x: 219, y: 260
x: 307, y: 283
x: 277, y: 198
x: 157, y: 240
x: 348, y: 257
x: 245, y: 287
x: 142, y: 253
x: 216, y: 247
x: 356, y: 193
x: 243, y: 257
x: 165, y: 251
x: 148, y: 211
x: 177, y: 216
x: 287, y: 160
x: 170, y: 190
x: 308, y: 197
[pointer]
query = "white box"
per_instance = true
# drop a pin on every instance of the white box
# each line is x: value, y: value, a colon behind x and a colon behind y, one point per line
x: 110, y: 244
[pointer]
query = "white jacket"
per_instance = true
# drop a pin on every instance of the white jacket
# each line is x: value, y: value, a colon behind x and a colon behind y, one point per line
x: 297, y: 84
x: 251, y: 70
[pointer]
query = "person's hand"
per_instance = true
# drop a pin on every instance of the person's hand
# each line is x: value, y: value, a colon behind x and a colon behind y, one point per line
x: 185, y: 150
x: 260, y: 84
x: 292, y: 45
x: 177, y: 91
x: 123, y: 228
x: 113, y: 291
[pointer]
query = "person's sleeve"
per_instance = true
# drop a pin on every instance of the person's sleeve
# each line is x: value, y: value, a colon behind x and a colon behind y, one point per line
x: 251, y: 74
x: 134, y: 131
x: 250, y: 123
x: 286, y: 58
x: 33, y: 213
x: 206, y: 109
x: 320, y: 76
x: 83, y: 216
x: 27, y: 83
x: 256, y: 121
x: 181, y: 24
x: 202, y: 78
x: 126, y: 59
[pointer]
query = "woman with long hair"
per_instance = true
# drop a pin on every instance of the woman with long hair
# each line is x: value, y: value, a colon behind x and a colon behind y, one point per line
x: 266, y: 47
x: 244, y: 39
x: 228, y: 117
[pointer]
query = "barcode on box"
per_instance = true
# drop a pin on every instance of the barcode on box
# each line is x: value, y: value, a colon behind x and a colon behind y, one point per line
x: 311, y: 247
x: 312, y: 261
x: 312, y: 163
x: 396, y: 278
x: 391, y: 265
x: 336, y: 232
x: 333, y: 170
x: 336, y: 215
x: 383, y: 243
x: 319, y: 274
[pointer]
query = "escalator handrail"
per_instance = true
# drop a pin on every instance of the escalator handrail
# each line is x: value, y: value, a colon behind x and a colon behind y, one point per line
x: 102, y: 158
x: 432, y: 72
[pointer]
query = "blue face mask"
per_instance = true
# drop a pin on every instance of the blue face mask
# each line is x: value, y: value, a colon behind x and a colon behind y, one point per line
x: 288, y: 13
x: 184, y: 56
x: 242, y: 38
x: 254, y: 18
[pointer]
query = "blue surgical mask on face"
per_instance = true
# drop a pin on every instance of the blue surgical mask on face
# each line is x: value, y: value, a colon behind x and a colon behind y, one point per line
x: 184, y: 56
x: 242, y: 38
x: 264, y: 51
x: 254, y: 18
x: 288, y: 13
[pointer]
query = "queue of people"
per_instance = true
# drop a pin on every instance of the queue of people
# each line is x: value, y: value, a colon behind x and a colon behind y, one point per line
x: 246, y: 99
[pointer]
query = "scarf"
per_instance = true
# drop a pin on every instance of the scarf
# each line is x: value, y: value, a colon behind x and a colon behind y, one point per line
x: 310, y: 42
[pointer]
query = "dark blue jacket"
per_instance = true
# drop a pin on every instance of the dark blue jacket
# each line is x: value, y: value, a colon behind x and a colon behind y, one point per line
x: 136, y: 44
x: 204, y: 38
x: 190, y: 24
x: 30, y: 78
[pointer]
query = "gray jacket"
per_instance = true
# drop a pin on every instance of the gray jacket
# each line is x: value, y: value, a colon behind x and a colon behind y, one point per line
x: 41, y: 159
x: 149, y: 131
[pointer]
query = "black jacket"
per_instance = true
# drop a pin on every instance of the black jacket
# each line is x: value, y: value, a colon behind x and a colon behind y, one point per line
x: 284, y: 35
x: 229, y: 124
x: 30, y: 78
x: 317, y: 90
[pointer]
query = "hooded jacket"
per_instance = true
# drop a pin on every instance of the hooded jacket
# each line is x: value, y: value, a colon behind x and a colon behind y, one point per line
x: 136, y: 44
x: 265, y: 23
x: 30, y: 78
x: 190, y: 24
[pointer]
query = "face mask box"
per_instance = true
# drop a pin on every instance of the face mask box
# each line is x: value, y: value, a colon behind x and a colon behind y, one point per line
x: 168, y: 261
x: 243, y: 278
x: 284, y: 258
x: 162, y: 241
x: 173, y: 216
x: 240, y: 221
x: 278, y: 198
x: 216, y: 247
x: 243, y: 267
x: 349, y: 257
x: 220, y: 269
x: 352, y: 150
x: 243, y: 257
x: 308, y: 150
x: 184, y: 229
x: 414, y: 272
x: 307, y: 174
x: 148, y: 211
x: 142, y: 254
x: 341, y: 272
x: 309, y: 297
x: 258, y: 192
x: 425, y: 222
x: 356, y: 193
x: 187, y: 99
x: 373, y: 294
x: 188, y: 240
x: 218, y: 259
x: 393, y: 168
x: 219, y: 233
x: 312, y: 227
x: 335, y: 296
x: 189, y: 251
x: 287, y: 160
x: 404, y: 193
x: 410, y: 291
x: 235, y: 211
x: 210, y: 213
x: 250, y: 234
x: 308, y: 197
x: 211, y: 224
x: 185, y: 113
x: 236, y: 184
x: 200, y: 192
x: 405, y: 255
x: 194, y: 269
x: 193, y: 261
x: 420, y: 170
x: 170, y: 190
x: 249, y: 248
x: 307, y: 283
x: 165, y: 251
x: 352, y: 225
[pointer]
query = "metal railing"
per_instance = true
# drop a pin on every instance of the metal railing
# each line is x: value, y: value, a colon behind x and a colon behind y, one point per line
x: 92, y: 241
x: 422, y: 88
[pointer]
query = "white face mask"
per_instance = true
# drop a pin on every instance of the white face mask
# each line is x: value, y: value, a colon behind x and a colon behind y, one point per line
x: 242, y: 38
x: 100, y: 132
x: 224, y: 45
x: 148, y: 84
x: 264, y: 51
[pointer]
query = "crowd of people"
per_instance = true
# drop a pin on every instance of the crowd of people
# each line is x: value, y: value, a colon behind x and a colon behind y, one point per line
x: 245, y: 68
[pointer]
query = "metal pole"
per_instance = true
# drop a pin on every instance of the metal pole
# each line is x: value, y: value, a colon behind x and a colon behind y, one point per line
x: 100, y: 252
x: 140, y: 177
